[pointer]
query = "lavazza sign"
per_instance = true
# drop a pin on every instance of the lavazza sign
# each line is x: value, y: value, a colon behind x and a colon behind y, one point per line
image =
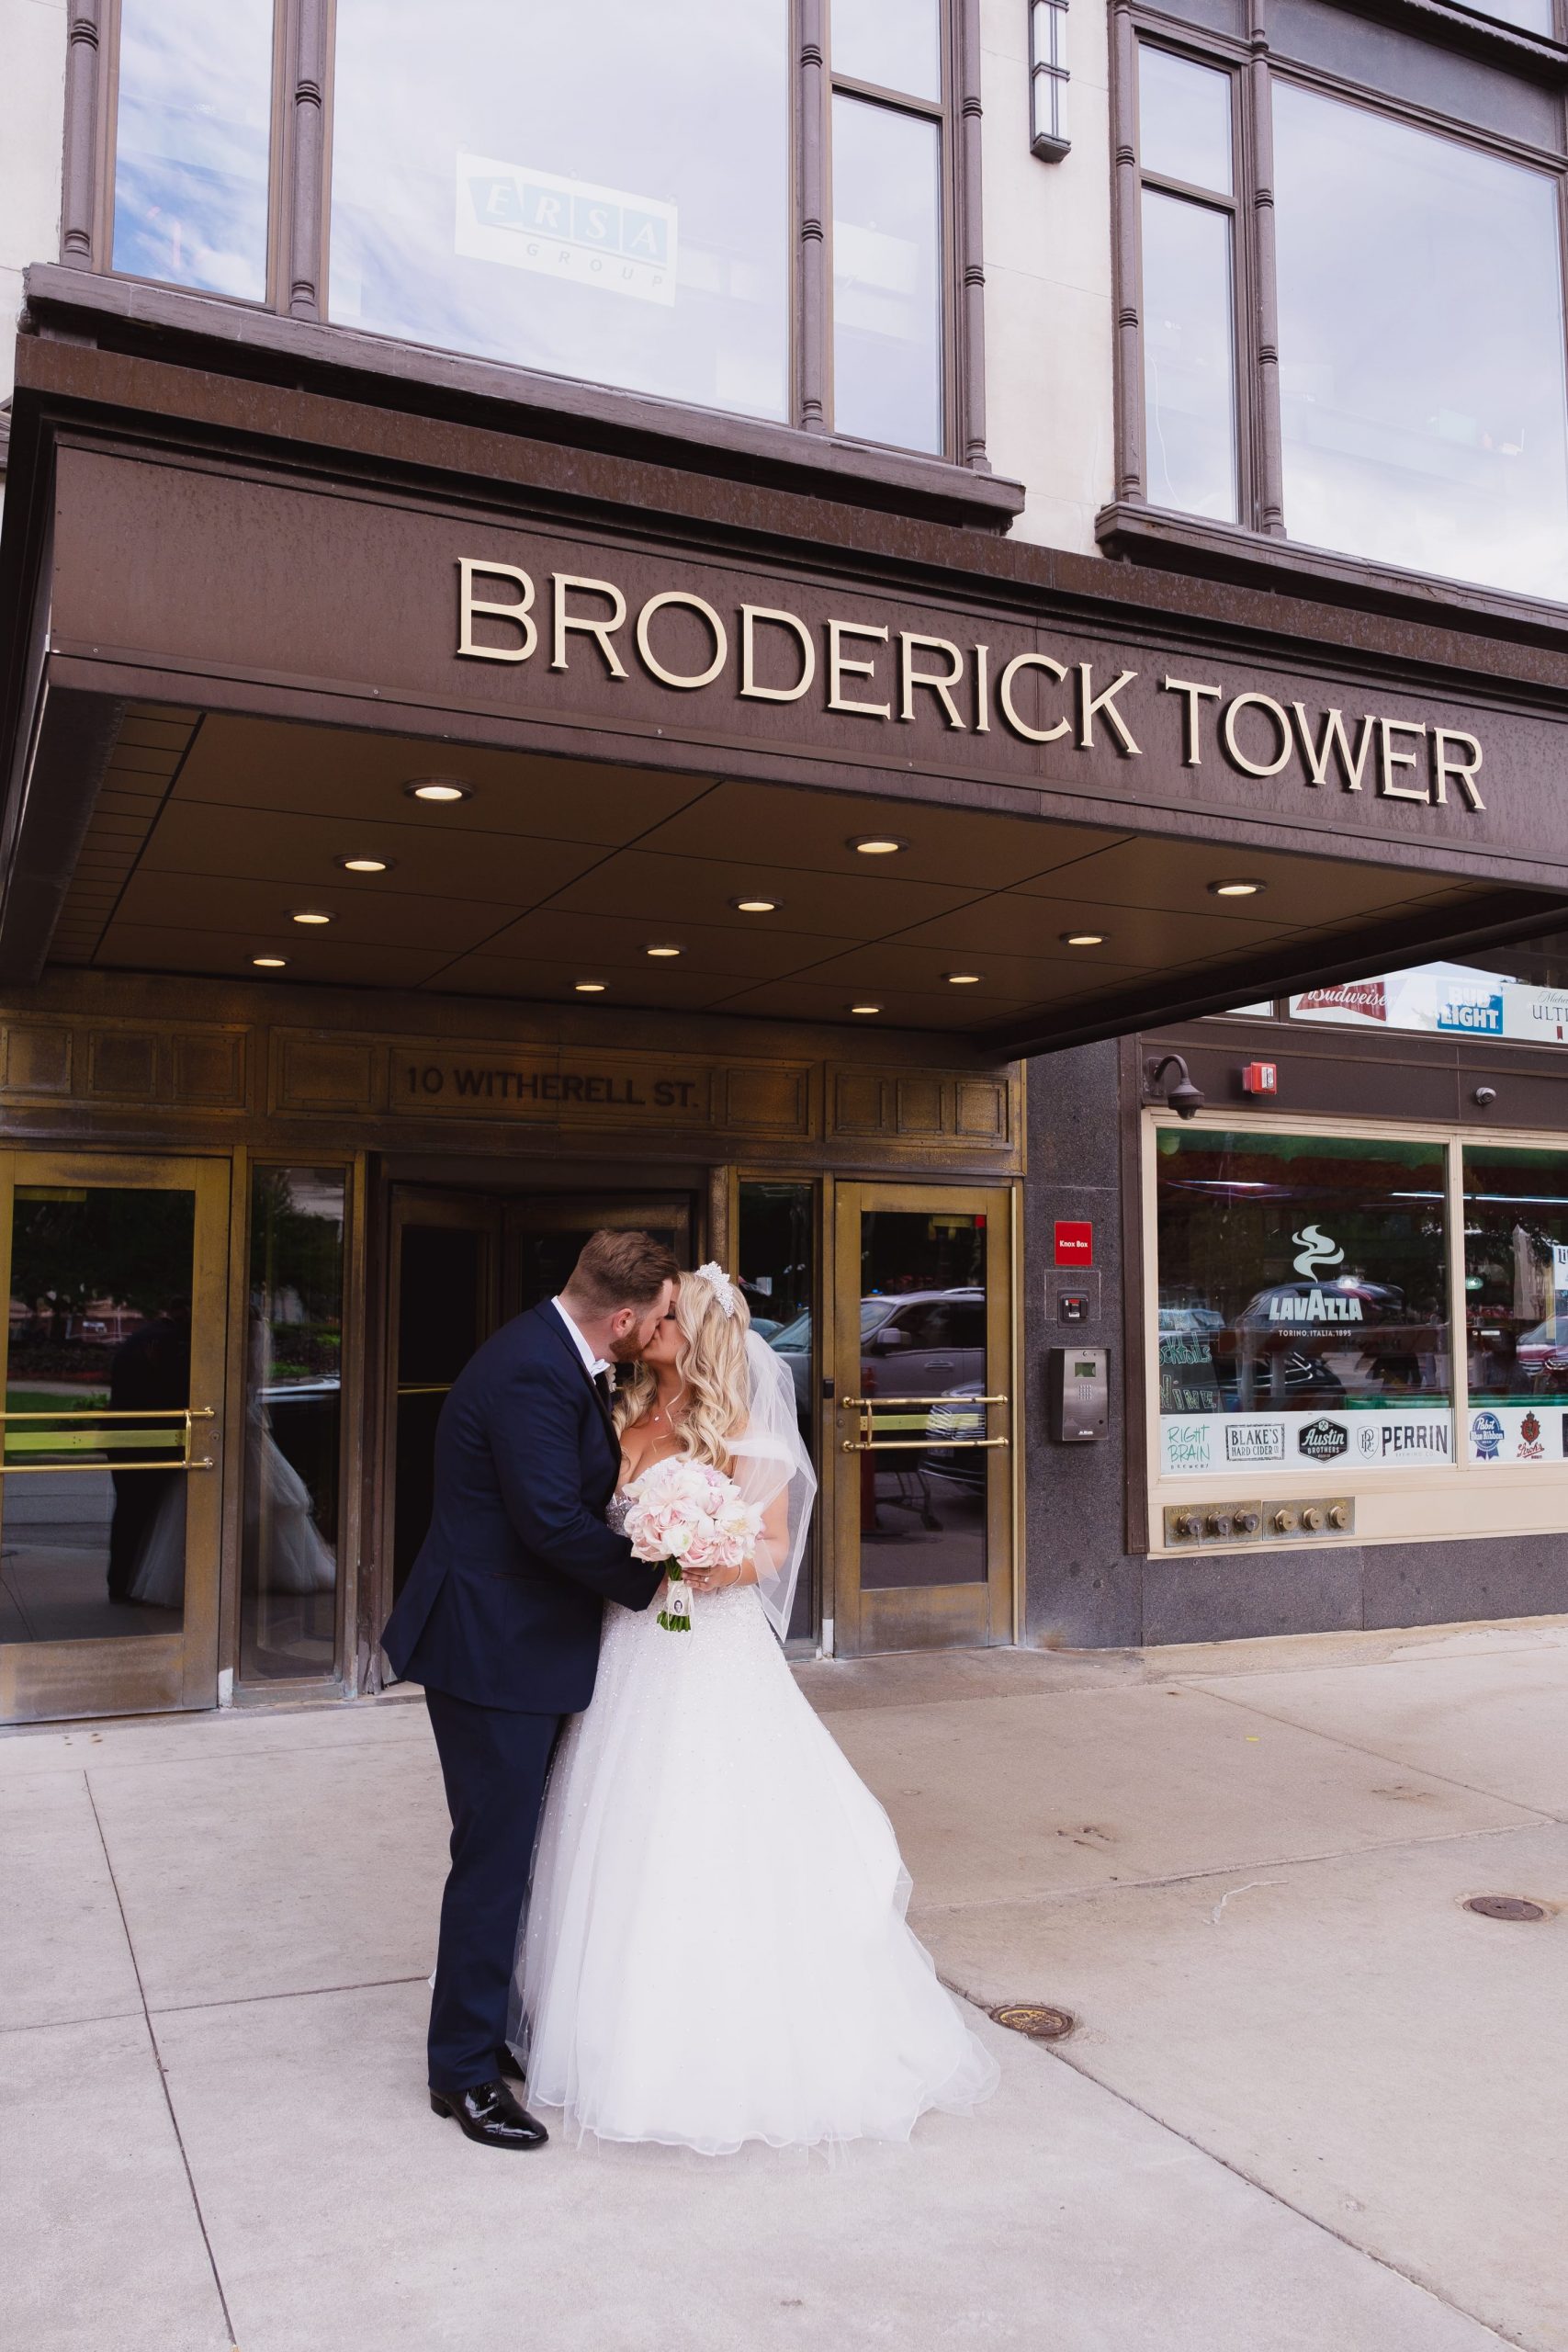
x: 888, y: 676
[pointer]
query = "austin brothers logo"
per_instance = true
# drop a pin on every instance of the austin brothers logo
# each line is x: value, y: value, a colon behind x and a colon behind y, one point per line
x: 1324, y: 1440
x: 1317, y: 1251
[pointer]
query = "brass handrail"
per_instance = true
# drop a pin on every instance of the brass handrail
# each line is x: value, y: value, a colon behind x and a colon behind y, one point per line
x: 81, y: 1421
x: 957, y: 1404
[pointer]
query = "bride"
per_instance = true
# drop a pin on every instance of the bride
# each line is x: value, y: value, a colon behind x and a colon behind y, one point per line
x: 714, y: 1948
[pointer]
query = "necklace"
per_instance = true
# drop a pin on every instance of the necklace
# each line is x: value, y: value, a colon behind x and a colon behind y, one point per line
x: 655, y: 1418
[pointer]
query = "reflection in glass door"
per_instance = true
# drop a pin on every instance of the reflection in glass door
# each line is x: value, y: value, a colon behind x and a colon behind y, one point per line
x: 109, y: 1516
x: 923, y: 1346
x: 445, y: 1302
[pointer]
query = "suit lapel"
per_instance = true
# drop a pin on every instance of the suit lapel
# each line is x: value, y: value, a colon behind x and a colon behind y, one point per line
x: 552, y: 1317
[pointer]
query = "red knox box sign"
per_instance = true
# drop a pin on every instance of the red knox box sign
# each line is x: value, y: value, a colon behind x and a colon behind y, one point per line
x: 1075, y: 1241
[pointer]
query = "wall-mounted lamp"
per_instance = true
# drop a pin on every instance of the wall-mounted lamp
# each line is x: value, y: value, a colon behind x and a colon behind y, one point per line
x: 1048, y: 79
x: 1185, y: 1099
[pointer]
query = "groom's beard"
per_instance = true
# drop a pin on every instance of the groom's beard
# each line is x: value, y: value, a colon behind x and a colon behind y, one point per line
x: 626, y: 1350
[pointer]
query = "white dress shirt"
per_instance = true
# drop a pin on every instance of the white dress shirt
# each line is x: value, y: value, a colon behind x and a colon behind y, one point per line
x: 593, y: 1365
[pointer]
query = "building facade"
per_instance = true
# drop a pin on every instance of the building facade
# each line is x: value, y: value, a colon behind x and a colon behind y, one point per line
x: 760, y: 621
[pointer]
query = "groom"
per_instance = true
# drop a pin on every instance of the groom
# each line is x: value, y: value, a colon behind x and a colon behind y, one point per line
x: 501, y: 1619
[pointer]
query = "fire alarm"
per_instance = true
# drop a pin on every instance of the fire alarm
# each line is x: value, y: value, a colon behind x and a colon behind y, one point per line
x: 1260, y: 1078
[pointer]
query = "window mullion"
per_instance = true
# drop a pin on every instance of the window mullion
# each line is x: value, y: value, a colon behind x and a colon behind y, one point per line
x: 1269, y: 490
x: 961, y: 160
x: 1130, y: 480
x: 305, y: 193
x: 812, y: 198
x: 81, y: 207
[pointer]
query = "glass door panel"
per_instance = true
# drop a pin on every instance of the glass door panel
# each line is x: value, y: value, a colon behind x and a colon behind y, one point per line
x: 446, y: 1303
x: 924, y: 1517
x: 545, y: 1234
x: 109, y: 1519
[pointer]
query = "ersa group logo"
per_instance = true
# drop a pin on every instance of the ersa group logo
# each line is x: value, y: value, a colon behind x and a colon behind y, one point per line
x: 1487, y: 1436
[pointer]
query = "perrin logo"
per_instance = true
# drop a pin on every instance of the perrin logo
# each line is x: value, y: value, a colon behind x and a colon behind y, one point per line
x: 1317, y: 1250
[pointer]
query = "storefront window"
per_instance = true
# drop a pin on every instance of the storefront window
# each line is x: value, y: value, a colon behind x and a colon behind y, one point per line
x: 1421, y: 352
x: 1302, y: 1305
x: 600, y: 189
x: 293, y: 1424
x: 1518, y: 994
x: 776, y: 1262
x: 1515, y: 1294
x: 886, y: 275
x: 193, y: 144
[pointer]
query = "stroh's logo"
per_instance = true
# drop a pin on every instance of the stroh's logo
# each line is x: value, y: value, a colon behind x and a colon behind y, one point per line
x: 1317, y: 1250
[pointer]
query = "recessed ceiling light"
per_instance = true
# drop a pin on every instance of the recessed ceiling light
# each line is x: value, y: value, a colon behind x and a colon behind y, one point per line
x: 865, y: 1008
x: 877, y: 844
x: 661, y: 951
x: 588, y: 988
x: 439, y: 787
x: 1238, y: 889
x: 269, y: 963
x: 309, y: 915
x: 757, y: 906
x: 366, y: 864
x: 1083, y: 938
x: 961, y: 979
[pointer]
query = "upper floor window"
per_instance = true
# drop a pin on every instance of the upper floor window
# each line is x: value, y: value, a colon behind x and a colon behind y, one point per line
x: 193, y: 144
x: 1373, y: 361
x: 702, y: 202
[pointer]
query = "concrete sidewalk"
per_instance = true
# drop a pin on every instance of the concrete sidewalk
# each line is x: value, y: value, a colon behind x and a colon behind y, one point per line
x: 1311, y: 2100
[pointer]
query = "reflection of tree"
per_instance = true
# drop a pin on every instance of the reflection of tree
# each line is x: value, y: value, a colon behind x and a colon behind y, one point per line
x: 294, y: 1249
x: 131, y: 1246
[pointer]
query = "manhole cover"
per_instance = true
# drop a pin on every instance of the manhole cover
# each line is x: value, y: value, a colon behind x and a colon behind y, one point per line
x: 1035, y: 2018
x: 1505, y: 1907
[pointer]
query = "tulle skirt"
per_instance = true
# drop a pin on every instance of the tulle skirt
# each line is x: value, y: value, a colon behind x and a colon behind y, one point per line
x: 714, y: 1948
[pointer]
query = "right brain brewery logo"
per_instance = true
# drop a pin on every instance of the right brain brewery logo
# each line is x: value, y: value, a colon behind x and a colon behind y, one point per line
x: 1325, y: 1440
x: 1487, y: 1436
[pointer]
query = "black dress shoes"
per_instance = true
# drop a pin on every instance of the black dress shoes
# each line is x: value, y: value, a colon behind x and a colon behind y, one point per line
x: 490, y: 2115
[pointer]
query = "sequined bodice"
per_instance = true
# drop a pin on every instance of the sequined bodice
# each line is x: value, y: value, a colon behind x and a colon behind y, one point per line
x: 615, y: 1511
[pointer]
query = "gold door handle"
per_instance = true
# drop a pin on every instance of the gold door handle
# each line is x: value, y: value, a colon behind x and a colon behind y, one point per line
x: 961, y: 1408
x: 89, y: 1430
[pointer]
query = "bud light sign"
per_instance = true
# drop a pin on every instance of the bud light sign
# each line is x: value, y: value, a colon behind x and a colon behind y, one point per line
x: 1479, y: 1016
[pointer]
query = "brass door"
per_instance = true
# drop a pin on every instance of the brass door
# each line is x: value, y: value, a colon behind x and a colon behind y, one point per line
x: 462, y: 1263
x: 445, y: 1301
x: 922, y: 1407
x: 544, y: 1232
x: 111, y: 1493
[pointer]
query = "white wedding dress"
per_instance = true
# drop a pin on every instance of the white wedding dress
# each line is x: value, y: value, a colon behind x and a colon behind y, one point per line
x: 714, y: 1948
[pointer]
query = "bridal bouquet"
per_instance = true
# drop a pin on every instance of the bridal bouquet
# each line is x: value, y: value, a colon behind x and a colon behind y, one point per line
x: 689, y: 1515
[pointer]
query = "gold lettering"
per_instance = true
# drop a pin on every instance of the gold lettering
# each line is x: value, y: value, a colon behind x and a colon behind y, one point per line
x: 1319, y: 756
x: 1389, y: 759
x: 1233, y: 749
x: 602, y: 630
x: 982, y: 690
x: 839, y: 668
x: 942, y: 686
x: 1462, y: 771
x: 694, y: 605
x: 749, y: 616
x: 1090, y: 702
x: 1004, y: 696
x: 516, y: 613
x: 1191, y: 752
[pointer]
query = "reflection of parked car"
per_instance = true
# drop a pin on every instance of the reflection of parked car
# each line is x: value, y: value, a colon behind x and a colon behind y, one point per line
x: 1190, y: 1322
x: 765, y: 1325
x: 1278, y: 1347
x: 1542, y: 1353
x: 913, y: 1343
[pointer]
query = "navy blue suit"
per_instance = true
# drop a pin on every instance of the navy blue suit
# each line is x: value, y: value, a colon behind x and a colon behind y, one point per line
x: 500, y: 1620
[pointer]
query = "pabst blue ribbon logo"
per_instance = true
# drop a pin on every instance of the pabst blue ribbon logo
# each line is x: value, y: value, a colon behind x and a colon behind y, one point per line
x: 1317, y: 1250
x: 1487, y: 1436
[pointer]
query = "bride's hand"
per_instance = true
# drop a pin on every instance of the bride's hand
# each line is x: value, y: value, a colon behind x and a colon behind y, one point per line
x: 712, y: 1579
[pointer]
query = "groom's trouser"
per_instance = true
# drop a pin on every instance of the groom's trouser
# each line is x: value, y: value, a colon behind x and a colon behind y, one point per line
x: 494, y: 1764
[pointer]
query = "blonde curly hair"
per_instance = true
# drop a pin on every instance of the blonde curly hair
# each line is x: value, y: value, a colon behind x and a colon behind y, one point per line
x: 710, y: 1362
